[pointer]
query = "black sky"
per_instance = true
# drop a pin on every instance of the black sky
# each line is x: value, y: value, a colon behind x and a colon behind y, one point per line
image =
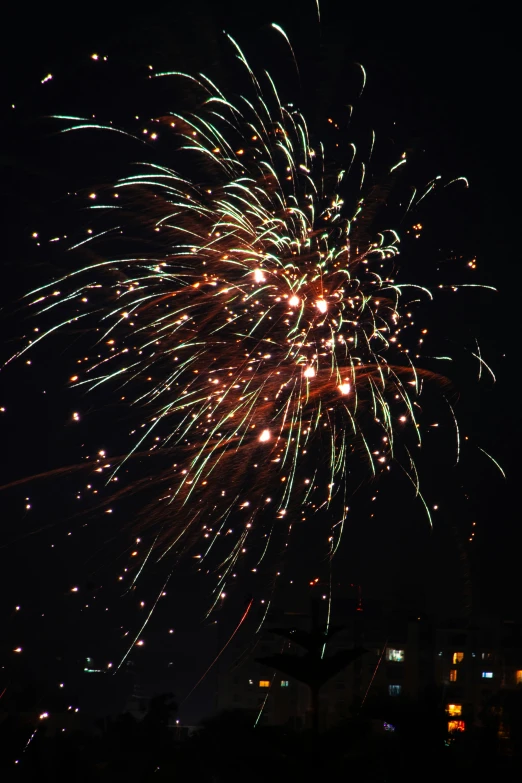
x: 440, y: 84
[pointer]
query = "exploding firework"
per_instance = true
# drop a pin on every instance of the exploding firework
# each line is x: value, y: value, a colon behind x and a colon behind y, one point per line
x: 266, y: 339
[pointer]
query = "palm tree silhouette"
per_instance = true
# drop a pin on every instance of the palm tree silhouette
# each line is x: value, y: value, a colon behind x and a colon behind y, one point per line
x: 313, y: 668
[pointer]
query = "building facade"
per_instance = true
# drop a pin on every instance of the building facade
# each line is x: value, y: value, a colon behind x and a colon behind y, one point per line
x: 466, y: 671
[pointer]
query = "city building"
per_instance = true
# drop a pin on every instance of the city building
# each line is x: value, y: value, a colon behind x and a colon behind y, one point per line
x: 466, y: 670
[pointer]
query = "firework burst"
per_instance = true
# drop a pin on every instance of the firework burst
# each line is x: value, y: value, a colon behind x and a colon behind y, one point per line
x: 263, y: 338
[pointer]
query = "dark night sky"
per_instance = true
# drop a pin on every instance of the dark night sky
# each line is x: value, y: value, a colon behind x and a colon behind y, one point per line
x: 440, y: 84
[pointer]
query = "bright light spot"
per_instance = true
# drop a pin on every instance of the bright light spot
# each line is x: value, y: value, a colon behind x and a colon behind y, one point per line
x: 344, y: 388
x: 259, y: 276
x: 309, y: 372
x: 265, y: 435
x: 44, y: 715
x: 293, y: 301
x: 17, y: 649
x: 140, y: 643
x: 321, y: 305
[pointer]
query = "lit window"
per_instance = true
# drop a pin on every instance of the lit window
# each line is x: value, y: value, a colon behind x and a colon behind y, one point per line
x: 454, y: 709
x: 284, y: 683
x: 453, y: 675
x: 397, y: 656
x: 456, y: 725
x: 503, y: 731
x: 487, y: 656
x: 264, y: 683
x: 487, y: 675
x: 518, y: 675
x: 394, y: 690
x: 458, y: 657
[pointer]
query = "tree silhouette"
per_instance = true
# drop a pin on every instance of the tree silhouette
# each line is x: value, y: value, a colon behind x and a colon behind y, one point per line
x: 313, y: 669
